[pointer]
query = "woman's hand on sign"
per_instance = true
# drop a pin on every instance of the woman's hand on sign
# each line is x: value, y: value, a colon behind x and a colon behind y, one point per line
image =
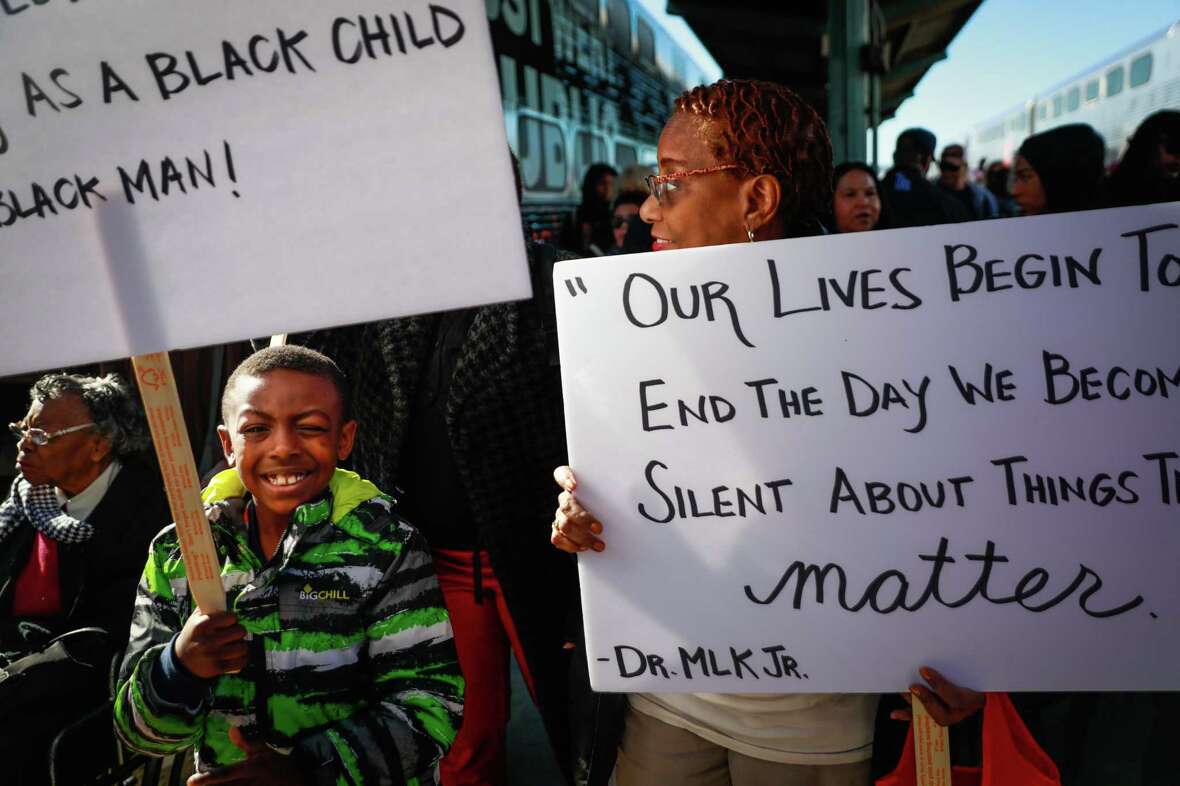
x: 574, y: 528
x: 210, y: 645
x: 946, y: 702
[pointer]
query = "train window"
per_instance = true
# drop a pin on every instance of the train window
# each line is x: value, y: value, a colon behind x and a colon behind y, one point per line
x: 1043, y: 110
x: 1073, y: 99
x: 1092, y: 90
x: 618, y: 25
x: 1141, y: 70
x: 1057, y: 105
x: 1114, y: 81
x: 625, y: 155
x: 588, y: 9
x: 647, y: 41
x: 590, y: 149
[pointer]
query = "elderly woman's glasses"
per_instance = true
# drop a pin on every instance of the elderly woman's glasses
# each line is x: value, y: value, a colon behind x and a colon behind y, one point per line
x: 660, y: 185
x: 41, y: 437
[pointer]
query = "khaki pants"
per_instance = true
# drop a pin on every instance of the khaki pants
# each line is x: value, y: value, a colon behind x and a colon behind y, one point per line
x: 654, y: 753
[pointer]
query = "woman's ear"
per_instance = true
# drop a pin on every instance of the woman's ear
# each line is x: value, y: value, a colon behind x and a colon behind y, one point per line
x: 763, y: 195
x: 100, y: 449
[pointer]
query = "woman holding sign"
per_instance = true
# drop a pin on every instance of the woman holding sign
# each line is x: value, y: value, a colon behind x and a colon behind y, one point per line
x: 739, y: 161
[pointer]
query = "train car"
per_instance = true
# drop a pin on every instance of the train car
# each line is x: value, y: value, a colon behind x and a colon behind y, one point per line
x: 582, y: 81
x: 1114, y: 96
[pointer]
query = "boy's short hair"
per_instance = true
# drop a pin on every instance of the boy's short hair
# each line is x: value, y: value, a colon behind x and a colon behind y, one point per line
x: 290, y: 357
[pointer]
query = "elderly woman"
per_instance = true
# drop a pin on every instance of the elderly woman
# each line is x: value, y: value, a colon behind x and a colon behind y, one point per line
x: 739, y: 161
x: 74, y: 534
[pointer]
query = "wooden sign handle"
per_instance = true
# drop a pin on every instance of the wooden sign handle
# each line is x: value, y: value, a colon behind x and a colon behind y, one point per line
x: 157, y: 387
x: 932, y: 753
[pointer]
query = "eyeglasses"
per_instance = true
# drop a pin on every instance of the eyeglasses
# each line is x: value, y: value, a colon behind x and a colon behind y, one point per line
x: 40, y: 436
x: 660, y: 185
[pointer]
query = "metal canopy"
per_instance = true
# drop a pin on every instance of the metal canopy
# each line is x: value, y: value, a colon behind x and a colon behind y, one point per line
x: 787, y: 42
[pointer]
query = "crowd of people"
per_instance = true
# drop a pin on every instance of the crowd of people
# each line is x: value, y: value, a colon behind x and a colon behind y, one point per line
x: 1055, y: 171
x: 372, y: 610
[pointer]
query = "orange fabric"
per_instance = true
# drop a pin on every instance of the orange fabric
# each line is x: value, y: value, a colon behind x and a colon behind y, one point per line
x: 37, y: 592
x: 1011, y: 757
x: 483, y: 635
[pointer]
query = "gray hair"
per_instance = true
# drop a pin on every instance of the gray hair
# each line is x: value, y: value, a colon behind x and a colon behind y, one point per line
x: 113, y: 406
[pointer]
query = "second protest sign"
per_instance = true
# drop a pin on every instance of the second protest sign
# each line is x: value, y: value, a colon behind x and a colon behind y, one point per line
x: 824, y: 462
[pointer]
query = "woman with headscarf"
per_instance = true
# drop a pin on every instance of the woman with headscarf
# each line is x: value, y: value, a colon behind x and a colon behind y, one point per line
x: 857, y: 202
x: 1149, y: 171
x: 739, y: 161
x: 1060, y: 170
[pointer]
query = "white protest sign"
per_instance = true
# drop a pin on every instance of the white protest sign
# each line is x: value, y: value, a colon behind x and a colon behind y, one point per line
x: 177, y: 174
x: 823, y: 462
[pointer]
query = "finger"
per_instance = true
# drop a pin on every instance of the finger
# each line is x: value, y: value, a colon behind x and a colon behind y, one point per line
x: 569, y: 645
x: 565, y: 478
x: 572, y: 510
x: 954, y: 696
x: 232, y: 653
x: 901, y: 715
x: 578, y: 531
x: 219, y: 621
x: 565, y: 544
x: 232, y: 665
x: 934, y: 705
x: 224, y: 637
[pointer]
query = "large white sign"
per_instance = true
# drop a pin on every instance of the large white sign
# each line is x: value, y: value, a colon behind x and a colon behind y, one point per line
x: 175, y: 174
x: 823, y: 462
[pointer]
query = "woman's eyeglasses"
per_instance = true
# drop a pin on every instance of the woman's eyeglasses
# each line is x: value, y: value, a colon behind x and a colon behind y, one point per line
x: 41, y: 437
x: 660, y: 185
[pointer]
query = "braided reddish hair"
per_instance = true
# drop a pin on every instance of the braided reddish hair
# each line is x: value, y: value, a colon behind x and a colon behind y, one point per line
x: 767, y: 129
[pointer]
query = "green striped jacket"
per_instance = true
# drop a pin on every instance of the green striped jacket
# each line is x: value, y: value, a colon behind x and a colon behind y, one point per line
x: 352, y: 663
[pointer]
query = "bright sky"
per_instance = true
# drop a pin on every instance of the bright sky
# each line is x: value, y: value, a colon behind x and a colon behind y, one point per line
x: 1011, y: 49
x: 1007, y: 51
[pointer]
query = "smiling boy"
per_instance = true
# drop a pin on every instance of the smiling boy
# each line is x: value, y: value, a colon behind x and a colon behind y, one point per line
x: 335, y: 662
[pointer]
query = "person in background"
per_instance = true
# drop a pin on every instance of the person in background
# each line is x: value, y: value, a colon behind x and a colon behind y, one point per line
x: 631, y: 182
x: 1060, y: 170
x: 997, y: 177
x: 625, y: 216
x: 86, y: 502
x: 1149, y: 171
x: 954, y: 179
x: 593, y: 217
x: 914, y: 201
x: 856, y: 199
x: 740, y: 161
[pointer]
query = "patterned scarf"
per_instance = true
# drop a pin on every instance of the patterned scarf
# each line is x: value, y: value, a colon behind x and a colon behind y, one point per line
x: 38, y: 505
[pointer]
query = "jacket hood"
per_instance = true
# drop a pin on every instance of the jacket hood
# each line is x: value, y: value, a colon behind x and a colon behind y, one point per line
x: 348, y: 490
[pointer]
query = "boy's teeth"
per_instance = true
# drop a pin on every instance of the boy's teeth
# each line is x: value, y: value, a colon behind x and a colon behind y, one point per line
x: 286, y: 480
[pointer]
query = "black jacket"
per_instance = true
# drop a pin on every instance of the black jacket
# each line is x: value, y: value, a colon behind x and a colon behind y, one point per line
x: 98, y: 577
x: 507, y: 431
x: 915, y: 202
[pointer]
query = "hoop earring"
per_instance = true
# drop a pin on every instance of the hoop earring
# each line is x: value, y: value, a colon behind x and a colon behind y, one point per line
x: 749, y: 233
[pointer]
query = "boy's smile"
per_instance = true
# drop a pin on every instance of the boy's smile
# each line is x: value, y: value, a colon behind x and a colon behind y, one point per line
x: 285, y: 437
